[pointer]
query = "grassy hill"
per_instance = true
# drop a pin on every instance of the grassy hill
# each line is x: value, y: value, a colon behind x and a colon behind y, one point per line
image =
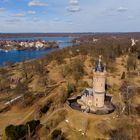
x: 46, y: 83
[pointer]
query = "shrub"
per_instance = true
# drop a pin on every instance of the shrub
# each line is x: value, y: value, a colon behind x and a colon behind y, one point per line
x: 32, y: 125
x: 20, y: 131
x: 70, y: 88
x: 60, y: 60
x: 123, y: 75
x: 118, y: 134
x: 131, y: 63
x: 63, y: 96
x: 21, y: 88
x: 56, y: 133
x: 44, y: 109
x: 77, y: 69
x: 138, y: 110
x: 16, y: 132
x: 28, y: 99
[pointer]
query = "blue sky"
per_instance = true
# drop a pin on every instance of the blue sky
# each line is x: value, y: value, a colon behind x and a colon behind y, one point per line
x: 69, y: 15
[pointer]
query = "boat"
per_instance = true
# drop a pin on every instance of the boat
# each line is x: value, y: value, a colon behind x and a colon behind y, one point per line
x: 6, y: 51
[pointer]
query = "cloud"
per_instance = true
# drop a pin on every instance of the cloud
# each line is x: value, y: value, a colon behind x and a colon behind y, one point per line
x: 31, y: 12
x: 74, y: 2
x: 122, y: 9
x: 73, y: 9
x: 35, y: 20
x: 13, y: 20
x: 69, y: 21
x: 56, y: 19
x: 37, y: 3
x: 73, y: 6
x: 19, y: 15
x: 2, y: 9
x: 130, y: 18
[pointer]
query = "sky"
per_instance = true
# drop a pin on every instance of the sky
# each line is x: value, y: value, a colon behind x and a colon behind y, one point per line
x: 69, y: 16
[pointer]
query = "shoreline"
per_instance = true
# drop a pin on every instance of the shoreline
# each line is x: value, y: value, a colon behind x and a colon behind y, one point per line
x: 31, y: 53
x: 6, y: 45
x: 27, y: 49
x: 26, y: 60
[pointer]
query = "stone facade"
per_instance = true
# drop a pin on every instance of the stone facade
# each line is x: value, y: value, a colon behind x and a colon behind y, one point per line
x: 93, y: 98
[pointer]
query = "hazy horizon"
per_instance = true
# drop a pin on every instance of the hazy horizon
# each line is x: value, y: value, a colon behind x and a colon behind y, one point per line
x: 69, y: 16
x: 66, y: 32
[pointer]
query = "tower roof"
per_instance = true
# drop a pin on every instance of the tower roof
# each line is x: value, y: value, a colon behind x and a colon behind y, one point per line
x: 99, y: 66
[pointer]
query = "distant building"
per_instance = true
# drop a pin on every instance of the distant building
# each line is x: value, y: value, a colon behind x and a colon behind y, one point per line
x: 133, y: 42
x: 39, y: 45
x: 95, y: 40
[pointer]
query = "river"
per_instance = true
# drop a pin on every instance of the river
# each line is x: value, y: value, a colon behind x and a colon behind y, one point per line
x: 19, y: 56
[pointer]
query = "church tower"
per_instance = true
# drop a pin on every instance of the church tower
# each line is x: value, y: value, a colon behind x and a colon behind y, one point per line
x: 99, y: 79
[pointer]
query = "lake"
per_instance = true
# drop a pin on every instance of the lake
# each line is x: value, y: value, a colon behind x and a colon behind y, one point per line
x: 19, y: 56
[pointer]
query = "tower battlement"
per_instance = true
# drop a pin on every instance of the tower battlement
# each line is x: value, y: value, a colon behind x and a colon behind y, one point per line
x: 99, y: 73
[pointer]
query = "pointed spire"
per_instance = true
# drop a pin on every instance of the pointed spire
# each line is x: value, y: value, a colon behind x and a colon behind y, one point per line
x: 100, y: 60
x: 99, y: 66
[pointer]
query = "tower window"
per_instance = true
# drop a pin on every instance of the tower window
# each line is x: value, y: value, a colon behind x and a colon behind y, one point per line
x: 96, y: 99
